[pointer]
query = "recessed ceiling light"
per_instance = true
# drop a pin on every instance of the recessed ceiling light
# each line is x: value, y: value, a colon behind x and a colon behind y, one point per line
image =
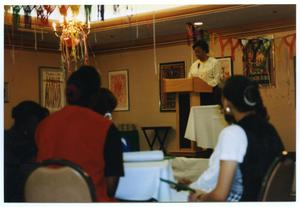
x: 198, y: 23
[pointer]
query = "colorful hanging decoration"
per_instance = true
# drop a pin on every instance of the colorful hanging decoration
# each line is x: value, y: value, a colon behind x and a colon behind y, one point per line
x: 27, y: 15
x: 87, y: 11
x: 100, y: 12
x: 290, y: 41
x: 73, y: 39
x: 16, y: 16
x: 116, y: 9
x: 6, y: 9
x: 75, y: 10
x: 40, y: 12
x: 189, y: 32
x: 229, y: 42
x: 48, y: 9
x: 257, y: 60
x: 195, y: 33
x: 63, y: 10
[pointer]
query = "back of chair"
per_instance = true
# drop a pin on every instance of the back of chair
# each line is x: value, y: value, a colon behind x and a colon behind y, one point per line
x: 59, y: 181
x: 277, y: 184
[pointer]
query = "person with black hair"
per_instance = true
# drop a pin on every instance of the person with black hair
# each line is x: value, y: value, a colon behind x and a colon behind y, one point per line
x: 105, y: 103
x: 208, y: 69
x: 83, y: 136
x: 245, y: 149
x: 20, y: 148
x: 243, y: 103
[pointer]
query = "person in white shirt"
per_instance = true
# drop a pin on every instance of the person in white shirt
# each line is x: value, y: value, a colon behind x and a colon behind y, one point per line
x: 208, y: 69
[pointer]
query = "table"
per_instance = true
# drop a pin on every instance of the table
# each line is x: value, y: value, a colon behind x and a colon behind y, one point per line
x: 204, y: 125
x: 142, y: 181
x: 157, y: 130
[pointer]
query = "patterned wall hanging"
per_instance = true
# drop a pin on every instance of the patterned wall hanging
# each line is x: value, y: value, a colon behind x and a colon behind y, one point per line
x: 258, y: 60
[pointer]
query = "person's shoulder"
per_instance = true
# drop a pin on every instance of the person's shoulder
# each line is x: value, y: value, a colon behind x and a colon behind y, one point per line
x: 233, y: 129
x: 233, y: 134
x: 213, y: 60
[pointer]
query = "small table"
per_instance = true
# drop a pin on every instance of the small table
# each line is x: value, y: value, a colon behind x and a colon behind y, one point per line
x: 204, y: 125
x: 157, y: 130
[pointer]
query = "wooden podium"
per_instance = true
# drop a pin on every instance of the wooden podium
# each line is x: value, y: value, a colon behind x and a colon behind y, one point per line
x: 187, y: 95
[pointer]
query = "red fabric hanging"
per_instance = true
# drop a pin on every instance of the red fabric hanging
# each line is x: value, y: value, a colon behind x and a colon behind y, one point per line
x: 290, y: 44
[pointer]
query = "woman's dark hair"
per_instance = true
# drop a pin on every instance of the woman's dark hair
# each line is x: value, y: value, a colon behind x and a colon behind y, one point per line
x: 82, y: 85
x: 202, y: 44
x: 244, y: 95
x: 22, y: 112
x: 105, y: 101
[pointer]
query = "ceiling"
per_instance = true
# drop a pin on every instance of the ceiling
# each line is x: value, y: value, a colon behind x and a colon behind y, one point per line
x: 170, y: 27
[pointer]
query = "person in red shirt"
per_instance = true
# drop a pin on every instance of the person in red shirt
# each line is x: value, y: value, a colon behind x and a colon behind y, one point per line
x: 81, y: 135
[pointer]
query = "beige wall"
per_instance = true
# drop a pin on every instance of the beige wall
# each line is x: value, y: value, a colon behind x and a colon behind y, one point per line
x: 21, y: 71
x: 144, y: 84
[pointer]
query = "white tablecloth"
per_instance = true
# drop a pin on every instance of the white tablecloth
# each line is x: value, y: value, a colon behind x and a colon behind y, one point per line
x: 142, y: 181
x: 204, y: 125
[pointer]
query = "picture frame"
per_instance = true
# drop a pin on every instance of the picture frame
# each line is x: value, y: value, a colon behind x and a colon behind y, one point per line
x: 258, y: 61
x: 226, y: 67
x: 169, y: 70
x: 52, y: 88
x: 6, y: 92
x: 119, y: 85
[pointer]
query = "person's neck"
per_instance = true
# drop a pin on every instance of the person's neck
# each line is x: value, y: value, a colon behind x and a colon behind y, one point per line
x: 204, y: 58
x: 240, y: 115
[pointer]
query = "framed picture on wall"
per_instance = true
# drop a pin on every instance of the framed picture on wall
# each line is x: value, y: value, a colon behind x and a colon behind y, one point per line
x: 258, y: 61
x: 118, y: 84
x: 169, y: 70
x: 226, y: 67
x: 52, y: 88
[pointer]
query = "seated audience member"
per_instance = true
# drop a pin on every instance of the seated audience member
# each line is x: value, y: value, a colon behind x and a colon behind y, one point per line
x: 80, y: 135
x: 264, y: 143
x: 245, y: 149
x: 19, y: 148
x: 105, y: 103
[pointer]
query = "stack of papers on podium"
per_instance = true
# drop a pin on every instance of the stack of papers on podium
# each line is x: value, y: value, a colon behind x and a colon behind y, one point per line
x: 142, y: 156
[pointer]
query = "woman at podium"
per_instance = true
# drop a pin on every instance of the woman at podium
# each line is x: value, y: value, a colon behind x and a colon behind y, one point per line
x: 208, y: 69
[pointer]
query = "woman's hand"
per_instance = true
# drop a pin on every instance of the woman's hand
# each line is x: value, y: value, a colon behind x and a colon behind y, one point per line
x: 197, y: 196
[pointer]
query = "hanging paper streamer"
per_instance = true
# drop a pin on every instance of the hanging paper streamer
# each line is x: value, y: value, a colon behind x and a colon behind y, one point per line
x: 48, y: 9
x: 116, y: 9
x: 223, y: 43
x: 73, y: 43
x: 100, y: 12
x: 234, y: 47
x: 154, y: 45
x: 290, y: 43
x: 189, y: 32
x: 27, y: 15
x: 87, y: 11
x: 75, y: 10
x: 6, y: 9
x: 40, y: 12
x: 200, y: 34
x: 63, y: 10
x: 16, y: 16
